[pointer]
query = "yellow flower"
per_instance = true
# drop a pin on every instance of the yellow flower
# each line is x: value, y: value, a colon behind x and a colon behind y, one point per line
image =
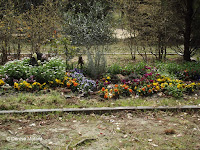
x: 108, y: 78
x: 16, y: 86
x: 179, y: 86
x: 167, y: 78
x: 135, y: 88
x: 155, y: 83
x: 1, y: 82
x: 159, y: 80
x: 157, y: 88
x: 51, y: 82
x: 58, y: 81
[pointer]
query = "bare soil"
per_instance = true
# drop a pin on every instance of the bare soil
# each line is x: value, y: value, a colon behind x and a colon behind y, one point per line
x: 124, y: 131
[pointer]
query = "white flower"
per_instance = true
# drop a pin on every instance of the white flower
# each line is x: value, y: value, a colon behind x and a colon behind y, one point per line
x: 35, y: 56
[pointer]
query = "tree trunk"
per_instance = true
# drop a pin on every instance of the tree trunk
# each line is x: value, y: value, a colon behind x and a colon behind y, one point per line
x: 187, y: 33
x: 18, y: 51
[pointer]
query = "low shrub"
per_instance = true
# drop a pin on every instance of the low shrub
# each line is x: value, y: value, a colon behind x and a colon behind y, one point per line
x: 20, y: 69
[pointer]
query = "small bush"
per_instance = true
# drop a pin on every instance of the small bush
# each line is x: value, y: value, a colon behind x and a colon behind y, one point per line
x: 114, y: 69
x: 96, y: 65
x: 20, y: 69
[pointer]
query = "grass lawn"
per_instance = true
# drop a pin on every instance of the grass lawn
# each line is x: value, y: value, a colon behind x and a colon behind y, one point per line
x: 58, y: 99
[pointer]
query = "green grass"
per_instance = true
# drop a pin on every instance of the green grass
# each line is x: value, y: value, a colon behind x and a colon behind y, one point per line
x: 54, y: 99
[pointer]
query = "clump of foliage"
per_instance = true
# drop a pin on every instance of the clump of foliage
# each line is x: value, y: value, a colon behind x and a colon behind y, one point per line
x: 185, y: 71
x: 96, y: 65
x: 20, y: 69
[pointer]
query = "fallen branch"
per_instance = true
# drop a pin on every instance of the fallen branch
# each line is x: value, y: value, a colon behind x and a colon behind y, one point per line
x: 44, y: 146
x: 68, y: 145
x: 83, y: 141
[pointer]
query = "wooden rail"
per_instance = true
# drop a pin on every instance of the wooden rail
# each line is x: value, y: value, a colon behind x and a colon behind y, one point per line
x: 102, y: 109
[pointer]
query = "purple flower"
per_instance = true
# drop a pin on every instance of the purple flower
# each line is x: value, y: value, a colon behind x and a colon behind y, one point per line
x: 146, y: 75
x: 146, y: 67
x: 136, y: 80
x: 151, y: 81
x: 123, y: 81
x: 15, y: 80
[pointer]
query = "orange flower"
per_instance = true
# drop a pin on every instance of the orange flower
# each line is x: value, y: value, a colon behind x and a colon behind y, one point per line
x: 143, y: 89
x: 103, y: 89
x: 68, y: 84
x: 126, y: 87
x: 116, y: 85
x: 116, y: 90
x: 149, y: 86
x: 75, y: 84
x: 106, y: 96
x: 130, y: 90
x: 74, y: 79
x: 149, y: 90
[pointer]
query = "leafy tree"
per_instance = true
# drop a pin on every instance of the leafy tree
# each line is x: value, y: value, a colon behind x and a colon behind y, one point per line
x: 87, y: 24
x: 42, y: 23
x: 186, y: 22
x: 9, y: 27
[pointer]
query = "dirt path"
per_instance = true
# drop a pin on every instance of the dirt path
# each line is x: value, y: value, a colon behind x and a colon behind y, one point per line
x: 124, y: 131
x: 122, y: 34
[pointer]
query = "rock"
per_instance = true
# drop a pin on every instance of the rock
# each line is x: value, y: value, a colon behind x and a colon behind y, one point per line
x: 45, y: 91
x: 120, y: 77
x: 6, y: 87
x: 65, y: 90
x: 67, y: 96
x: 160, y: 94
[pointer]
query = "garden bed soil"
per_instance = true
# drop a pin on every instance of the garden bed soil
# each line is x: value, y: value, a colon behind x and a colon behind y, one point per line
x: 125, y: 131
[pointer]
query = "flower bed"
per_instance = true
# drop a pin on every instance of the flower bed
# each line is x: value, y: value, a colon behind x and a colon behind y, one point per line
x: 144, y: 81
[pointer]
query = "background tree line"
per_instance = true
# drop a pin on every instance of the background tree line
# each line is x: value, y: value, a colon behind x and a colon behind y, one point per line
x: 153, y: 25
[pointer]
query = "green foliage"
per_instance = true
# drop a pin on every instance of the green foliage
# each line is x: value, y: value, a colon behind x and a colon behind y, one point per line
x: 91, y: 28
x: 183, y: 71
x: 127, y: 69
x: 173, y: 91
x: 49, y: 71
x: 20, y: 69
x: 15, y: 70
x: 96, y: 65
x: 114, y: 69
x: 63, y: 45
